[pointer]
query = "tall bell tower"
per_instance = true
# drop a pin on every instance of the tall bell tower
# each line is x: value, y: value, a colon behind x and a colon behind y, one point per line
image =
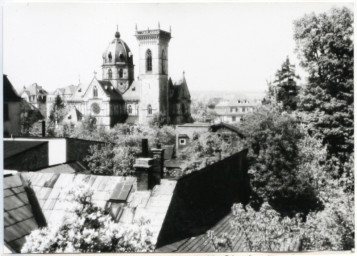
x: 153, y: 72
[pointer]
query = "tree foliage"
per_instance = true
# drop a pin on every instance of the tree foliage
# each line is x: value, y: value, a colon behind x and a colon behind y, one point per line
x: 275, y: 159
x: 287, y: 90
x: 88, y: 229
x: 325, y: 48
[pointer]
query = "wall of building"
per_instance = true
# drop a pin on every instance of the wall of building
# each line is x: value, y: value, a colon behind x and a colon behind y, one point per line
x: 32, y: 159
x: 204, y: 197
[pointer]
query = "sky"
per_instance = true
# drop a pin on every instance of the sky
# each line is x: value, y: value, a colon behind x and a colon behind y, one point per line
x: 220, y: 46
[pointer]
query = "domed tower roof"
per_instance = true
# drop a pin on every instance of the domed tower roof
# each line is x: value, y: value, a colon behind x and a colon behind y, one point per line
x: 117, y: 51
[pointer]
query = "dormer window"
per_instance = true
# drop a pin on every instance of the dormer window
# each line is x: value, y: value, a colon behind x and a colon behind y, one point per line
x: 148, y: 61
x: 95, y: 92
x: 121, y: 57
x: 110, y: 74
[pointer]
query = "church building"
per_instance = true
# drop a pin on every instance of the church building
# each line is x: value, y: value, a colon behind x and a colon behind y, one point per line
x: 119, y: 98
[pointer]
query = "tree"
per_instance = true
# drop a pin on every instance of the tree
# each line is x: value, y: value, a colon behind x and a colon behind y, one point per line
x: 89, y: 229
x: 325, y: 48
x: 111, y: 160
x: 58, y: 111
x: 287, y: 89
x: 275, y: 159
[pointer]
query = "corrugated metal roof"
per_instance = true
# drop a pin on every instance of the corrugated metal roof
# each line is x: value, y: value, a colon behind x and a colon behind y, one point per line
x: 19, y: 220
x: 49, y: 189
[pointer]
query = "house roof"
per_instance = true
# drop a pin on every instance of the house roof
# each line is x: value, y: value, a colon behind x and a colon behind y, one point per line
x: 34, y: 89
x: 73, y: 167
x: 12, y: 147
x: 216, y: 127
x: 19, y: 219
x: 152, y: 205
x: 200, y: 243
x: 10, y: 93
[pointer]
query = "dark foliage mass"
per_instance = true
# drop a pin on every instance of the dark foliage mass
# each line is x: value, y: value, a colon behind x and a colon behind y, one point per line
x: 325, y: 47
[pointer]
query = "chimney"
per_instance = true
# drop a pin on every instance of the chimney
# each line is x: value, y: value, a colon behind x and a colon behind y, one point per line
x: 144, y: 148
x: 43, y: 128
x: 158, y: 155
x: 149, y: 171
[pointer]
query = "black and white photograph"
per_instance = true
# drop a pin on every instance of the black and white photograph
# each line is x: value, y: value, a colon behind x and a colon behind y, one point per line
x: 178, y: 127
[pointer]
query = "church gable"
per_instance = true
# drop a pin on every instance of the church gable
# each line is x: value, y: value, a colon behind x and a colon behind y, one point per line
x: 94, y: 90
x: 103, y: 90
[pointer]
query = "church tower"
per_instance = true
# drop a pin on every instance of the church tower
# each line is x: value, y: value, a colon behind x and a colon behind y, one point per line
x: 118, y: 67
x: 153, y: 73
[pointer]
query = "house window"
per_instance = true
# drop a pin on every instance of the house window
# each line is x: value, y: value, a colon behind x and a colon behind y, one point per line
x: 163, y: 62
x: 233, y: 118
x: 120, y: 73
x: 110, y: 74
x: 148, y: 61
x: 6, y: 112
x: 95, y: 92
x: 149, y: 110
x: 182, y: 141
x: 130, y: 109
x: 243, y: 109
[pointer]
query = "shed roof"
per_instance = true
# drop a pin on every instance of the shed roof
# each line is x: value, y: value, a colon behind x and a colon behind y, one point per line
x: 12, y: 147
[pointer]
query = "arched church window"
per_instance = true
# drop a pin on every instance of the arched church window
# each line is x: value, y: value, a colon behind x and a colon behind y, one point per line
x: 110, y: 57
x: 149, y: 110
x: 163, y: 62
x: 110, y: 74
x: 120, y: 73
x: 95, y: 92
x: 130, y: 109
x: 148, y: 60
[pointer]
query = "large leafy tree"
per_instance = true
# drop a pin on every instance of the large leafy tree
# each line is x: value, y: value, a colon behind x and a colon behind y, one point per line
x: 325, y: 48
x: 287, y: 90
x: 274, y: 155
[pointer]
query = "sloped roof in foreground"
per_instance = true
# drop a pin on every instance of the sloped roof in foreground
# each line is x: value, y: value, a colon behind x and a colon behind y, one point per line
x: 151, y: 205
x: 200, y: 243
x: 19, y: 219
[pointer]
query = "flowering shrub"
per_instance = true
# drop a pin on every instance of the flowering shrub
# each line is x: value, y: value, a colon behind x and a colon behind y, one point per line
x: 88, y: 229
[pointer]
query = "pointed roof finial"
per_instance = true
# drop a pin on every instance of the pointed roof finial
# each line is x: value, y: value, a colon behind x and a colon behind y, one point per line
x: 136, y: 27
x: 183, y: 73
x: 117, y: 34
x: 159, y: 25
x: 95, y: 73
x: 170, y: 29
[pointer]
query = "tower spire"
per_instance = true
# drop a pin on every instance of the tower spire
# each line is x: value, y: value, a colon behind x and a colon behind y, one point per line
x: 159, y: 25
x: 117, y: 34
x: 136, y: 27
